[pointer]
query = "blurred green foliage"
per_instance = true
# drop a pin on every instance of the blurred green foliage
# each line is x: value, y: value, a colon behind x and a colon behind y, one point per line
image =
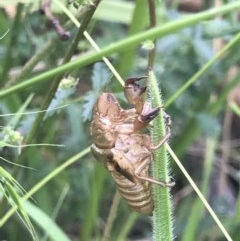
x: 197, y: 115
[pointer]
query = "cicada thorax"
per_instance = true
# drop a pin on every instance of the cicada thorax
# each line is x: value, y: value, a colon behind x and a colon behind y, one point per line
x: 102, y: 134
x: 108, y: 118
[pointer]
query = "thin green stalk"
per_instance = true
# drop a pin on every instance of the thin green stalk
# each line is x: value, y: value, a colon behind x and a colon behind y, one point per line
x: 40, y: 54
x: 45, y: 180
x: 152, y: 16
x: 237, y: 212
x: 55, y: 83
x: 122, y: 45
x: 197, y: 208
x: 138, y: 24
x: 13, y: 37
x: 217, y: 106
x: 162, y: 219
x: 195, y: 77
x: 57, y: 208
x: 91, y: 215
x: 4, y: 34
x: 28, y: 67
x: 53, y: 87
x: 191, y: 132
x: 127, y: 226
x: 192, y: 128
x: 162, y: 216
x: 196, y: 189
x: 234, y: 107
x: 111, y: 217
x: 91, y: 41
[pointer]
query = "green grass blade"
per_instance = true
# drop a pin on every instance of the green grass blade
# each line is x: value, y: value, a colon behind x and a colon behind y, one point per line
x: 45, y: 222
x: 196, y: 189
x: 124, y: 44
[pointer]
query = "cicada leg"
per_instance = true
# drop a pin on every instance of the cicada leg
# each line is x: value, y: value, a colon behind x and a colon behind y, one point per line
x: 143, y: 165
x: 168, y: 132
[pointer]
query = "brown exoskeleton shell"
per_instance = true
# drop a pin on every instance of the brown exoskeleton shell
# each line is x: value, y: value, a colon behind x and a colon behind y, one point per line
x: 119, y: 145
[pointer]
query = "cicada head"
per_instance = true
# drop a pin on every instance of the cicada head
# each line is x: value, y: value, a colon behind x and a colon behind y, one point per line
x: 133, y: 93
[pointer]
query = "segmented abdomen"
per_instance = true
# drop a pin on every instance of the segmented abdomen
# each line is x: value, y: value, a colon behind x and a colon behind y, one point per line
x: 138, y: 195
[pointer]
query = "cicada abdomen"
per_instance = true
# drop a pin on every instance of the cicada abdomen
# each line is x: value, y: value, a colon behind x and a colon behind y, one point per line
x: 137, y: 195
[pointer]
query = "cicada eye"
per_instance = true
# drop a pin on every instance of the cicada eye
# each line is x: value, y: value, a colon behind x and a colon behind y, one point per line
x: 117, y: 168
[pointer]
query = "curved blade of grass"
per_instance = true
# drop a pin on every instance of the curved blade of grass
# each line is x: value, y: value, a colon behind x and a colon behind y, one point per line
x: 91, y: 41
x: 124, y: 44
x: 44, y: 181
x: 58, y: 205
x: 91, y: 214
x: 195, y: 77
x: 13, y: 192
x: 127, y: 226
x: 196, y: 189
x: 45, y: 222
x: 34, y: 112
x: 235, y: 108
x: 16, y: 117
x: 138, y: 24
x: 111, y: 217
x: 4, y: 34
x: 13, y: 163
x: 197, y: 208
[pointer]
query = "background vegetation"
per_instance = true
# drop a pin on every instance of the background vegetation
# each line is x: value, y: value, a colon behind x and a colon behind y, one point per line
x: 197, y: 53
